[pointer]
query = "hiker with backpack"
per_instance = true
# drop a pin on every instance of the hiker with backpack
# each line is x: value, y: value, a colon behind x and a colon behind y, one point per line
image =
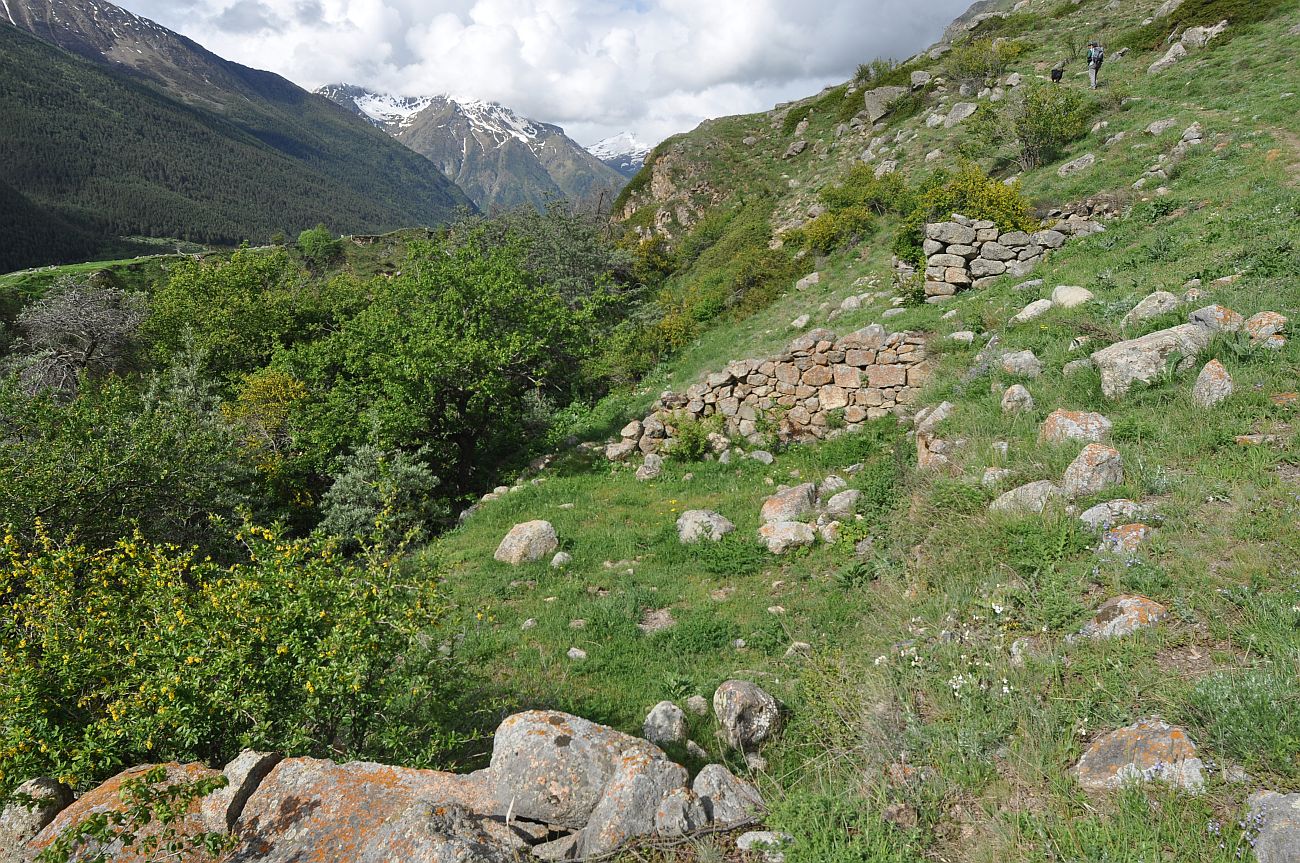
x: 1096, y: 55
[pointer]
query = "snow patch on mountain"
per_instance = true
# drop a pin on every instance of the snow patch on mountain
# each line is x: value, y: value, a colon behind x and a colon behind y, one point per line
x: 383, y: 109
x: 622, y: 152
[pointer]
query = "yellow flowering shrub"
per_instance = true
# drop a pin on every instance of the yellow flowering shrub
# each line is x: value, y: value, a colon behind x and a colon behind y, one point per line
x: 142, y: 652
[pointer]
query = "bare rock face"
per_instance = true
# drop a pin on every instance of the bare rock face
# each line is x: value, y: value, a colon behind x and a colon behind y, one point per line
x: 726, y: 798
x: 528, y: 543
x: 106, y: 798
x: 554, y: 768
x: 1097, y: 468
x: 1143, y: 359
x: 1214, y: 385
x: 876, y: 102
x: 748, y: 715
x: 697, y: 525
x: 19, y: 823
x: 1124, y: 615
x: 793, y: 504
x: 1062, y: 425
x: 222, y: 808
x: 1148, y: 751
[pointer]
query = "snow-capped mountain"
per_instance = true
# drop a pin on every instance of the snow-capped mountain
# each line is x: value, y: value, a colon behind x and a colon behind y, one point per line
x: 500, y: 158
x: 622, y: 152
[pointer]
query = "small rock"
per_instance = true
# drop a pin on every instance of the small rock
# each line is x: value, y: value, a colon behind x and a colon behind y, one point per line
x: 1265, y: 325
x: 1022, y: 363
x: 965, y: 337
x: 698, y: 705
x: 699, y: 524
x: 1104, y: 515
x: 1032, y: 312
x: 1071, y: 296
x: 561, y: 560
x: 748, y: 715
x: 1097, y: 468
x: 1153, y: 306
x: 1062, y: 425
x: 666, y: 723
x: 761, y: 456
x: 1278, y: 817
x: 577, y: 654
x: 994, y: 477
x: 1033, y: 497
x: 800, y: 322
x: 19, y: 824
x: 781, y: 536
x: 1017, y: 399
x: 528, y: 543
x: 1147, y: 751
x: 1124, y: 615
x: 791, y: 505
x: 727, y: 799
x: 651, y: 469
x: 1076, y: 166
x: 1125, y: 540
x: 1217, y: 319
x: 1214, y: 385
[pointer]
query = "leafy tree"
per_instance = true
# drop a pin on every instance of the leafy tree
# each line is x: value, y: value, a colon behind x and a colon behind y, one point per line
x: 1043, y: 118
x: 237, y: 311
x: 319, y: 247
x: 441, y: 358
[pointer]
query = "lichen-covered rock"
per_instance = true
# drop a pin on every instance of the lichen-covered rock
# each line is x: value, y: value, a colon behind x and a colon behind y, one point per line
x: 1125, y: 539
x: 1277, y: 818
x: 1097, y: 468
x: 1113, y: 512
x: 1217, y: 319
x: 630, y: 801
x: 747, y: 714
x: 1016, y: 400
x: 1153, y: 306
x: 1143, y: 359
x: 793, y: 504
x: 20, y: 822
x: 528, y: 543
x: 679, y: 813
x: 1124, y: 615
x: 1063, y: 425
x: 1034, y: 497
x: 666, y: 723
x: 554, y: 768
x: 108, y: 797
x: 727, y: 799
x: 781, y: 536
x: 1265, y: 325
x: 1148, y: 751
x: 697, y: 525
x: 1214, y: 385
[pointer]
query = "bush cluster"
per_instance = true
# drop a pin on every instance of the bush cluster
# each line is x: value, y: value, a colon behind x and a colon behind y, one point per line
x: 968, y: 191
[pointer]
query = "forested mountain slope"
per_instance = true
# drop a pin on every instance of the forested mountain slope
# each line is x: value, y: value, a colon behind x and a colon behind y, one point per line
x: 139, y: 131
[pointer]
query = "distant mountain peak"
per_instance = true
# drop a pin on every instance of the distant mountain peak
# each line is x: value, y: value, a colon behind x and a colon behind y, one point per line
x: 499, y: 156
x: 623, y: 152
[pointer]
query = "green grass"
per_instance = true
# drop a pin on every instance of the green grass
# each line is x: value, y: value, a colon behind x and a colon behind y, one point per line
x: 912, y: 647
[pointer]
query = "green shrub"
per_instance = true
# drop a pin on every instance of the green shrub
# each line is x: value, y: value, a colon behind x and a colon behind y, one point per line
x: 979, y: 60
x: 833, y: 228
x: 145, y: 653
x: 834, y: 829
x: 691, y: 441
x: 1195, y: 13
x: 319, y: 247
x: 375, y: 490
x: 734, y: 555
x: 862, y: 188
x: 970, y: 192
x: 1044, y: 118
x: 699, y: 632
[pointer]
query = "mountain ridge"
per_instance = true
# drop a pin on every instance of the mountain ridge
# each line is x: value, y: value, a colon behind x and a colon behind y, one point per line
x: 499, y: 157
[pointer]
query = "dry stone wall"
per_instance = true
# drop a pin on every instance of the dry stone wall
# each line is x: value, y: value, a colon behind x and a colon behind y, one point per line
x: 820, y: 383
x: 966, y: 253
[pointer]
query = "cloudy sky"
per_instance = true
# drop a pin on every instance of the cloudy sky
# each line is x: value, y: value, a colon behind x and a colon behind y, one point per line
x: 596, y: 67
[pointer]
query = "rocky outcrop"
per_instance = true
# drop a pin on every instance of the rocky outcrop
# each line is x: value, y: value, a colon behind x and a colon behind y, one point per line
x: 1143, y: 359
x: 820, y: 382
x: 558, y: 787
x: 966, y: 253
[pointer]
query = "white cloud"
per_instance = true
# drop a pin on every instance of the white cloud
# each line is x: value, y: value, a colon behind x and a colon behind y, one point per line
x: 593, y: 66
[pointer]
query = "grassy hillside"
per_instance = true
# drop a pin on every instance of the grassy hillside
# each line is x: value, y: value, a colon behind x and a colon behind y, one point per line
x: 910, y: 649
x: 102, y: 156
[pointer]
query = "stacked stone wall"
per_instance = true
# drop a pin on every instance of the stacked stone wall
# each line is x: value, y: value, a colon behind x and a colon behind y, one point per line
x: 821, y: 383
x: 965, y: 253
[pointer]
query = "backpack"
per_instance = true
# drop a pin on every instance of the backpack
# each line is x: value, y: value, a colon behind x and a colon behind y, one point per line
x: 1095, y: 56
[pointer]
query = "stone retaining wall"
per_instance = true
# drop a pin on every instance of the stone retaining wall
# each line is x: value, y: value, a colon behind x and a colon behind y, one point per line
x: 820, y: 383
x: 966, y: 253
